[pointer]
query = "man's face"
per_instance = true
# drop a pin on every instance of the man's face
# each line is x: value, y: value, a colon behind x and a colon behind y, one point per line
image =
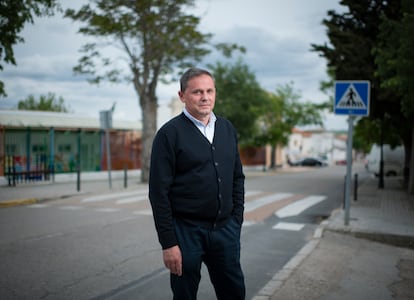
x: 199, y: 97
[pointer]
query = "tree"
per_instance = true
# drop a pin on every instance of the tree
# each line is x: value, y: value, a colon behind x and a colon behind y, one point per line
x: 239, y: 98
x: 152, y: 37
x: 352, y: 55
x: 395, y: 65
x: 283, y: 113
x: 47, y: 102
x: 13, y: 16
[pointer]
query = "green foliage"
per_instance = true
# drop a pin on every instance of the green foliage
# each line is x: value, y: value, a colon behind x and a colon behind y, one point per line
x: 368, y: 132
x: 14, y: 14
x: 260, y: 117
x: 239, y: 98
x: 394, y: 57
x: 47, y: 102
x: 283, y: 113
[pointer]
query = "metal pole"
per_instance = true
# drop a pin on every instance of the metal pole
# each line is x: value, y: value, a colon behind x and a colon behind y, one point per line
x: 108, y: 157
x: 78, y: 171
x: 348, y: 169
x: 52, y: 153
x: 355, y: 187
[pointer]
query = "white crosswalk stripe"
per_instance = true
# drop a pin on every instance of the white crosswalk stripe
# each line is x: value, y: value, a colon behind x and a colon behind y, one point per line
x: 38, y: 205
x: 299, y: 206
x: 72, y: 207
x: 288, y: 226
x: 132, y: 199
x: 252, y: 205
x: 112, y: 196
x: 145, y: 212
x: 107, y: 209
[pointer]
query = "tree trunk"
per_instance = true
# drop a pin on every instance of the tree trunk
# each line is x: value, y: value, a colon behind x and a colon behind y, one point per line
x: 411, y: 159
x: 273, y: 157
x: 149, y: 128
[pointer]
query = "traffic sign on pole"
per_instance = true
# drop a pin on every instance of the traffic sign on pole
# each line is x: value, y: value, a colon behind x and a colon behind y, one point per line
x: 352, y: 98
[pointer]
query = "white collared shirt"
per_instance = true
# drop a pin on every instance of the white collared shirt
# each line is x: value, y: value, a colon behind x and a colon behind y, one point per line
x: 206, y: 130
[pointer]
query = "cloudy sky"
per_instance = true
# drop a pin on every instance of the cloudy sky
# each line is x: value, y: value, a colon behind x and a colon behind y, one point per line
x: 277, y: 34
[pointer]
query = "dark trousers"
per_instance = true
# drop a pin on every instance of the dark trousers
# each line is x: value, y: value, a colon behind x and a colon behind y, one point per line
x: 219, y: 250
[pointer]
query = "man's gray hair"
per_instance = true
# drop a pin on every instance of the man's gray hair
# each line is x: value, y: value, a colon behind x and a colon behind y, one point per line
x: 191, y: 73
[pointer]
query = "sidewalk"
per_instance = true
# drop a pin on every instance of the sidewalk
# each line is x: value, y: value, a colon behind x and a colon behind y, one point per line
x: 371, y: 258
x: 65, y: 185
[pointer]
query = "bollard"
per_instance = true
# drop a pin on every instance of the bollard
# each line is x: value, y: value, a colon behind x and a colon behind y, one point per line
x: 125, y: 177
x: 343, y: 200
x: 78, y: 181
x: 355, y: 187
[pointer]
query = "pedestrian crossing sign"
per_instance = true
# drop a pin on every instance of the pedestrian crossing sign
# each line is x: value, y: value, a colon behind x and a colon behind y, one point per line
x: 351, y: 98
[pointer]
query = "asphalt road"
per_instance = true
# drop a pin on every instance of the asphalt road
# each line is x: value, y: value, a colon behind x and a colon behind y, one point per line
x: 104, y: 246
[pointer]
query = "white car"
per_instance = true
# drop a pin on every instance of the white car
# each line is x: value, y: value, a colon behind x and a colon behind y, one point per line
x: 393, y: 160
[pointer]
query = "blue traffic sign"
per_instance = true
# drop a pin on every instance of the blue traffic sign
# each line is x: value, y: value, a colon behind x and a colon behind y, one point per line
x: 352, y: 98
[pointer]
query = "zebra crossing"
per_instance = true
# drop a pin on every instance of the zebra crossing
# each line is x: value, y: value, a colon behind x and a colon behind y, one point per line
x: 259, y: 205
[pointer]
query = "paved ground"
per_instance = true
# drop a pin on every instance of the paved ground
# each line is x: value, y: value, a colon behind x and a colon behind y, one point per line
x: 371, y: 258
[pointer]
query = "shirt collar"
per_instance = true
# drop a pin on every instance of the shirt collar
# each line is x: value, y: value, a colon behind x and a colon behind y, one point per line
x: 211, y: 121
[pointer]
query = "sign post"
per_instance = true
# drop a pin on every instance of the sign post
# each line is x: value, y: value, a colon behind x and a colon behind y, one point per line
x: 352, y: 99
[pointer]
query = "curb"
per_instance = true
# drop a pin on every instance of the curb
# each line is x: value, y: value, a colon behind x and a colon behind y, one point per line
x: 277, y: 281
x: 18, y: 202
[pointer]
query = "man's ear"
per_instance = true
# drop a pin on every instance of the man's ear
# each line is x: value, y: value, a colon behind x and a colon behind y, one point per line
x: 181, y: 95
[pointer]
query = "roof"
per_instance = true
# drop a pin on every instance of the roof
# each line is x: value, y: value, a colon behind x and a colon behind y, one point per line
x: 43, y: 119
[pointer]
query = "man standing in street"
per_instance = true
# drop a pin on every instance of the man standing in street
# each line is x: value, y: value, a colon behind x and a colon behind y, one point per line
x: 196, y: 190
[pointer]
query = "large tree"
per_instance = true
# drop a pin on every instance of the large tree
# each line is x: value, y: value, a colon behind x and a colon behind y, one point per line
x: 153, y: 38
x: 354, y: 36
x: 14, y: 14
x: 395, y: 69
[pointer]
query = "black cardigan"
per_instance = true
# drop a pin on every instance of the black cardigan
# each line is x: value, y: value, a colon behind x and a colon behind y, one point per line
x: 193, y: 180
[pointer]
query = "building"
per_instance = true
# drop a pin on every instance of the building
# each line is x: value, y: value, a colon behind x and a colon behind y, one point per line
x: 328, y: 145
x: 33, y: 141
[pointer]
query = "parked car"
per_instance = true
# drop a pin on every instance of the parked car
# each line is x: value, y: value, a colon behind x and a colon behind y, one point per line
x: 310, y: 162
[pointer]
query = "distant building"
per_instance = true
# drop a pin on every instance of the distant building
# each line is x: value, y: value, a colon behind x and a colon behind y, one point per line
x: 317, y: 143
x: 60, y: 142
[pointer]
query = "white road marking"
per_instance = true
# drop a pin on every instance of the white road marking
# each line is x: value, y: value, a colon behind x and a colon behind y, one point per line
x: 107, y: 209
x: 113, y: 196
x: 299, y: 206
x: 132, y: 199
x: 252, y: 205
x: 288, y: 226
x: 145, y: 212
x: 37, y: 205
x: 73, y: 207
